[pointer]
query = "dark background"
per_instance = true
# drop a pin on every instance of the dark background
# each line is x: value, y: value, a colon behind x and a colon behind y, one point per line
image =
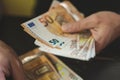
x: 105, y: 66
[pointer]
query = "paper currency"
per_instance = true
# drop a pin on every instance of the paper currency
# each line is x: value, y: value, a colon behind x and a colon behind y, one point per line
x: 46, y: 29
x: 50, y: 23
x: 65, y: 72
x: 69, y: 8
x: 42, y: 66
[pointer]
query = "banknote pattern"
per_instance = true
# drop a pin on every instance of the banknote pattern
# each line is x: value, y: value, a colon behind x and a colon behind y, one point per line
x: 38, y: 65
x: 46, y: 29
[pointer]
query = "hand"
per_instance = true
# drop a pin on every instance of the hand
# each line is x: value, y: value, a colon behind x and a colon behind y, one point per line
x: 104, y: 26
x: 9, y: 63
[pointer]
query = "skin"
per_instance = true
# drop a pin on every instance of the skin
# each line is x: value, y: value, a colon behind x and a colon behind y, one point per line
x: 9, y: 63
x: 104, y: 26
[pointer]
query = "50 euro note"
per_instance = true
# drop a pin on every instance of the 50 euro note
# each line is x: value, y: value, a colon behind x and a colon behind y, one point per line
x: 46, y: 28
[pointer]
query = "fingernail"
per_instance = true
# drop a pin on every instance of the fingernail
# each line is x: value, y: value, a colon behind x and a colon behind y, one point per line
x: 66, y: 27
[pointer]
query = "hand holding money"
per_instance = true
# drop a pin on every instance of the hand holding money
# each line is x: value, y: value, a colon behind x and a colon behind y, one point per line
x: 103, y: 26
x: 47, y: 30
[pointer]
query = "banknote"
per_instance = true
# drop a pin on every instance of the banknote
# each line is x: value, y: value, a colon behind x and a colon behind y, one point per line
x: 70, y: 8
x: 50, y: 23
x: 65, y: 72
x: 40, y: 68
x: 85, y: 53
x: 54, y: 2
x: 46, y: 29
x: 43, y: 66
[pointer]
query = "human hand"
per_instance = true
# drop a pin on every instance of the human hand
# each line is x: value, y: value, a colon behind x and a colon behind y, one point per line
x: 104, y: 26
x: 9, y: 63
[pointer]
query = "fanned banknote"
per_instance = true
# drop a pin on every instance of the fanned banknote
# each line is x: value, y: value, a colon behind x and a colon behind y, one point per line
x: 41, y: 66
x: 46, y: 29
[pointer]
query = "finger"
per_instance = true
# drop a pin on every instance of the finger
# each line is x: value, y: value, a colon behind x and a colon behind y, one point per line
x: 87, y: 23
x: 17, y: 70
x: 2, y: 75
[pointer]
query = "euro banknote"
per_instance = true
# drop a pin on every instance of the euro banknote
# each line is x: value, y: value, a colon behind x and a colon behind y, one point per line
x: 46, y: 29
x: 38, y: 65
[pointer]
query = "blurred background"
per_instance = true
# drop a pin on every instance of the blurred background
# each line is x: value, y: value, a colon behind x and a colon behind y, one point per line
x: 15, y: 12
x: 12, y: 14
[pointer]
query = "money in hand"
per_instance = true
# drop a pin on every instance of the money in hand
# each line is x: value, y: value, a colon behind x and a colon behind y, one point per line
x: 46, y: 29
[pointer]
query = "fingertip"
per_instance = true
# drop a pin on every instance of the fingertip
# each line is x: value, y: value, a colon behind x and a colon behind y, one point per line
x: 66, y: 27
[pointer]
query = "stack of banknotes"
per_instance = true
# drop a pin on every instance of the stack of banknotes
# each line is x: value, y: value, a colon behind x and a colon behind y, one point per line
x: 38, y: 65
x: 46, y: 29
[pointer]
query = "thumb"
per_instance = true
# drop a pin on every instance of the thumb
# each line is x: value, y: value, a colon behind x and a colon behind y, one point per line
x: 86, y: 23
